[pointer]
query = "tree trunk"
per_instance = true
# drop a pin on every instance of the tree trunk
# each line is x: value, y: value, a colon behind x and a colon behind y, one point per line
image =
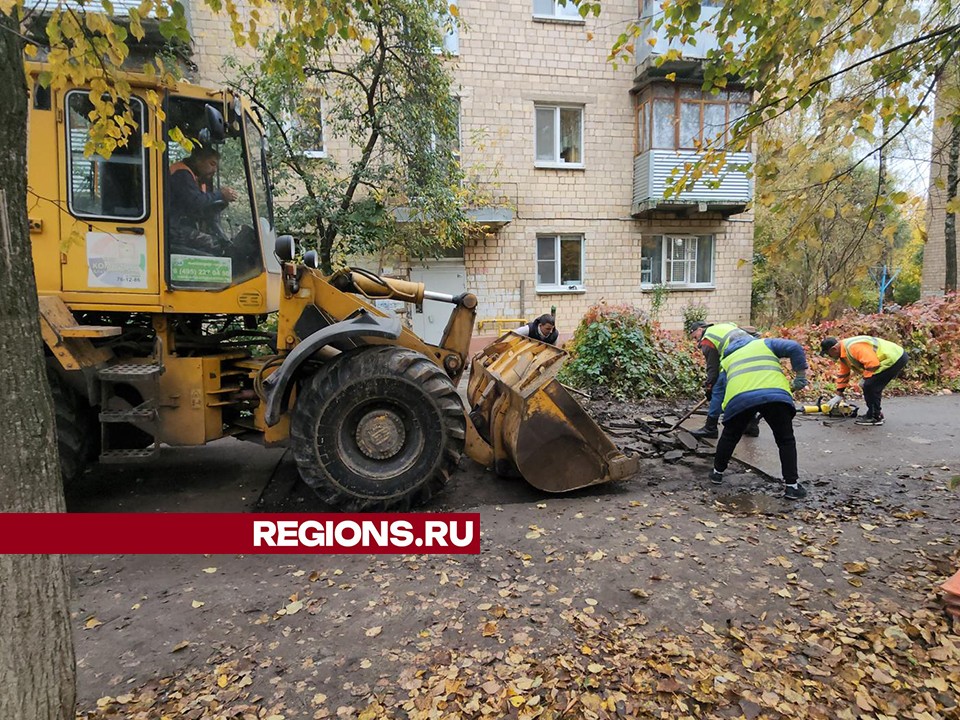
x: 37, y: 671
x: 950, y: 219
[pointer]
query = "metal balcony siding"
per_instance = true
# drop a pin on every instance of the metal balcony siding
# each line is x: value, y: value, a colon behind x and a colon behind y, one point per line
x: 651, y: 173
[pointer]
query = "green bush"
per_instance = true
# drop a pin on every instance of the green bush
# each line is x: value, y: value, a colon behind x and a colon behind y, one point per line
x: 618, y: 348
x: 929, y: 330
x: 693, y: 313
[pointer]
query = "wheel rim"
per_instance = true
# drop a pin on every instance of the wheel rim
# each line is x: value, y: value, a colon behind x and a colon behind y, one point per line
x: 379, y: 439
x: 380, y: 434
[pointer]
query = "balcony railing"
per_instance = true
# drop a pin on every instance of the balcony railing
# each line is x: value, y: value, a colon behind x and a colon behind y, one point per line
x: 727, y: 192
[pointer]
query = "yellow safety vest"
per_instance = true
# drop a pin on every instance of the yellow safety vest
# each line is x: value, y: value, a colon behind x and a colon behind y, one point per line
x: 721, y: 334
x: 752, y: 367
x: 888, y: 352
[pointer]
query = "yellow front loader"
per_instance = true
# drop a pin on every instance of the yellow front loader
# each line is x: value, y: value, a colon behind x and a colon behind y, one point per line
x: 152, y: 343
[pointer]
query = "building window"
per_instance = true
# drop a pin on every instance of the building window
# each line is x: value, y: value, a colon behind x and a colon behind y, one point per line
x: 677, y: 260
x: 303, y: 127
x: 454, y: 144
x: 682, y: 117
x: 559, y: 136
x: 113, y: 188
x: 559, y: 262
x: 556, y: 9
x: 450, y: 27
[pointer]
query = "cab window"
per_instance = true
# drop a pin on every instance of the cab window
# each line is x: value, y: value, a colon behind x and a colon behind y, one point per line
x: 211, y: 235
x: 113, y: 188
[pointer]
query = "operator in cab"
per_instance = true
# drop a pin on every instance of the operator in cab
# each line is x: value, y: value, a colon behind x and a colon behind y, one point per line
x: 195, y: 206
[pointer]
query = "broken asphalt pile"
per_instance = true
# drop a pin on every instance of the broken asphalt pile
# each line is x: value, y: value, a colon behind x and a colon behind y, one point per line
x: 650, y: 435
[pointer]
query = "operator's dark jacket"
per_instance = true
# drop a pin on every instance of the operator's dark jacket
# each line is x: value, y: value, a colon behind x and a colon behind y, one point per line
x: 192, y: 206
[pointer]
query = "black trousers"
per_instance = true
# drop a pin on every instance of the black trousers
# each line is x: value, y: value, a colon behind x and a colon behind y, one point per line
x: 873, y: 386
x: 779, y: 417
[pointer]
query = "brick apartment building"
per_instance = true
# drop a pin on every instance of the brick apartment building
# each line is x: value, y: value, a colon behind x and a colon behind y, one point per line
x: 934, y: 256
x: 578, y: 152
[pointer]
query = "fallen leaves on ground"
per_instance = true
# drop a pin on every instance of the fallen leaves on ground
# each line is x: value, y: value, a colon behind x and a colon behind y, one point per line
x: 859, y: 660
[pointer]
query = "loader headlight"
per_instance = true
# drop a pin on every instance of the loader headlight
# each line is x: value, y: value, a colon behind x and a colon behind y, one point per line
x: 285, y: 248
x: 311, y: 259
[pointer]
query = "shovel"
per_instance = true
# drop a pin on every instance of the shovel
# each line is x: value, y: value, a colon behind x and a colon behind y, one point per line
x: 683, y: 419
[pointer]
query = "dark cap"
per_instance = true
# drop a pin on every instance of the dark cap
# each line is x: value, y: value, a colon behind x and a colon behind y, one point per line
x: 696, y: 325
x: 826, y: 344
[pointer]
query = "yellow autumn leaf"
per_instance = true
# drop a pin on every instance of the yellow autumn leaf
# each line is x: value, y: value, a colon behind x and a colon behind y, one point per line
x: 374, y: 631
x: 91, y: 623
x: 823, y: 172
x: 222, y: 681
x: 855, y: 568
x: 197, y: 604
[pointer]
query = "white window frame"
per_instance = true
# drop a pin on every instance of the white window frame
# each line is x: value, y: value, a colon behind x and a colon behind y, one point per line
x: 451, y: 35
x: 570, y: 286
x: 558, y: 162
x: 144, y: 167
x: 291, y: 124
x: 571, y: 16
x: 667, y: 262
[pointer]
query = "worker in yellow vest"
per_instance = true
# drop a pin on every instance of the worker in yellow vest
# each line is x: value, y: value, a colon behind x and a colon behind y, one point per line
x: 879, y: 361
x: 752, y: 381
x: 712, y: 339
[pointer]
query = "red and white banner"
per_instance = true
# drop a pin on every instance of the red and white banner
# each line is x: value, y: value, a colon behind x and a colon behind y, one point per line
x: 239, y: 533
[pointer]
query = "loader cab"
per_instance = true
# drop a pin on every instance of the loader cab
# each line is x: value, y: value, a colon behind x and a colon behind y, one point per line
x: 101, y: 226
x: 212, y: 247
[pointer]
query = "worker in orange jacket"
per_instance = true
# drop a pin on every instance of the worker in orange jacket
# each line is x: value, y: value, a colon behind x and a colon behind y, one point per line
x: 878, y: 360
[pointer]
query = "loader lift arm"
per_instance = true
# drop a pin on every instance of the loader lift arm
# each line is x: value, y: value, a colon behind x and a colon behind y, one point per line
x: 376, y: 421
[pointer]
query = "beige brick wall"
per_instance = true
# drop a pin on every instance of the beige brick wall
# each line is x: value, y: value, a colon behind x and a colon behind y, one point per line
x: 507, y: 62
x: 934, y: 260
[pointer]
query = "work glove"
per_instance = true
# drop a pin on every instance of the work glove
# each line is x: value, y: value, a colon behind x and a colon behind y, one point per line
x: 708, y: 393
x: 834, y: 401
x: 799, y: 383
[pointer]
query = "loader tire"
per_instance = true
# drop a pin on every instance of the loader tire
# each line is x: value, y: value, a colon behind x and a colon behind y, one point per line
x: 380, y: 428
x: 75, y: 428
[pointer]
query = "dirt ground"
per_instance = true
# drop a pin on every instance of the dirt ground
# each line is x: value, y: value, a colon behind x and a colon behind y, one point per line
x: 660, y: 596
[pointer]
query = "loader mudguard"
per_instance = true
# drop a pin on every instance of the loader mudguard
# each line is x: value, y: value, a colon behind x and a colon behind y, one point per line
x: 277, y: 385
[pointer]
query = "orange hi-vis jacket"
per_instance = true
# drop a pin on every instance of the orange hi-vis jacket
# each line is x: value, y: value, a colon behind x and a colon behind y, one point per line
x: 869, y: 355
x: 177, y: 167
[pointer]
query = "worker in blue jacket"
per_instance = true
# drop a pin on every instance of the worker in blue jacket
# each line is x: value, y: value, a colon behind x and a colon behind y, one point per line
x: 752, y: 381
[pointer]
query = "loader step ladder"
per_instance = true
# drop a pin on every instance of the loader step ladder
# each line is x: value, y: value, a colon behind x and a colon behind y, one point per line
x: 129, y: 421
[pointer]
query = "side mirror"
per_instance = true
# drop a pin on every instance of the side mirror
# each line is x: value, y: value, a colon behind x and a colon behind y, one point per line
x: 216, y: 129
x: 311, y: 259
x: 285, y: 248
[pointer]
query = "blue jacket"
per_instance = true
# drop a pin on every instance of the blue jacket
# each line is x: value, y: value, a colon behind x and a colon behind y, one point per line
x: 745, y: 401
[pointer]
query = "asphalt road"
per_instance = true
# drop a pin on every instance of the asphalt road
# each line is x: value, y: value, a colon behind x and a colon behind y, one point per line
x: 234, y: 476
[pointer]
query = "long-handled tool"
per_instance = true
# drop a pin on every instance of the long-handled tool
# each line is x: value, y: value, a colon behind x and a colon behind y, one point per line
x: 683, y: 419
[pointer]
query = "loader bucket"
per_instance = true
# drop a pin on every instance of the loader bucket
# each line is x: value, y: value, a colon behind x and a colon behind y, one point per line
x: 535, y: 427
